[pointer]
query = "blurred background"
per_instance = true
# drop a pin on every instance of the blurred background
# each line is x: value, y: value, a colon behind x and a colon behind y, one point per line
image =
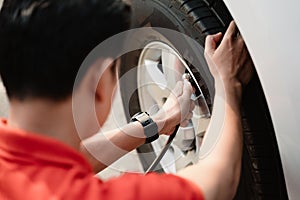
x: 3, y: 100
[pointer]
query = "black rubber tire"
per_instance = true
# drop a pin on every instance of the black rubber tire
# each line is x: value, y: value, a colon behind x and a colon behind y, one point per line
x: 262, y: 174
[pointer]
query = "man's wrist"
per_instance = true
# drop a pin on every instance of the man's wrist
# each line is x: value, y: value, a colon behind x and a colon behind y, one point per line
x: 231, y: 91
x: 229, y: 85
x: 159, y: 122
x: 149, y: 125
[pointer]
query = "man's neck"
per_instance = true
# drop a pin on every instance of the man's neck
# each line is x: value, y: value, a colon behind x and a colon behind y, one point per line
x: 48, y: 118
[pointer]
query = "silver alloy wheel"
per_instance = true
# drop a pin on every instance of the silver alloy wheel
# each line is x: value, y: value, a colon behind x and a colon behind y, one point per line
x: 160, y: 68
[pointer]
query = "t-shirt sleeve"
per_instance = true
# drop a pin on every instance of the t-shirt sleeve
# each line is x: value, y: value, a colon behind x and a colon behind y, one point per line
x: 149, y: 187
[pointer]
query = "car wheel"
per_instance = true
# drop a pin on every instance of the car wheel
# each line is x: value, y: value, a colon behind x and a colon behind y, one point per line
x: 161, y: 64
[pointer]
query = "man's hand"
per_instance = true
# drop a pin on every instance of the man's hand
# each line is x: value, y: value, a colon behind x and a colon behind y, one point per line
x: 218, y: 172
x: 230, y: 61
x: 230, y: 65
x: 177, y: 109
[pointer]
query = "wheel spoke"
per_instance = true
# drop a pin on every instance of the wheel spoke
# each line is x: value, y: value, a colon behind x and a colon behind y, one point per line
x: 172, y: 67
x: 155, y: 82
x: 158, y: 94
x: 155, y: 74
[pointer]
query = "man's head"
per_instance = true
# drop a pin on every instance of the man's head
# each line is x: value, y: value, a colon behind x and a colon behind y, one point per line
x: 43, y: 42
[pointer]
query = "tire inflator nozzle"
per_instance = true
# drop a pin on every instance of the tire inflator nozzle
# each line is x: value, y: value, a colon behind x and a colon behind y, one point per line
x: 197, y: 92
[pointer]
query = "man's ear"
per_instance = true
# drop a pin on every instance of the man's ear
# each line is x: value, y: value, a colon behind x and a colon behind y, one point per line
x: 102, y: 78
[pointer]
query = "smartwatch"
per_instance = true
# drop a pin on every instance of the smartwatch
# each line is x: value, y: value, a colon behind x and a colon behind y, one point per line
x: 150, y: 127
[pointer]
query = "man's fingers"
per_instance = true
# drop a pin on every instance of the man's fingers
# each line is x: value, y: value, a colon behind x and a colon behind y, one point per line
x: 217, y: 37
x: 189, y: 115
x: 187, y: 89
x: 178, y: 90
x: 184, y: 123
x: 211, y: 42
x: 231, y: 31
x: 192, y: 105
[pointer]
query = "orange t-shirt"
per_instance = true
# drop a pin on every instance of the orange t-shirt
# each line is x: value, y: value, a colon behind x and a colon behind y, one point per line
x: 36, y: 167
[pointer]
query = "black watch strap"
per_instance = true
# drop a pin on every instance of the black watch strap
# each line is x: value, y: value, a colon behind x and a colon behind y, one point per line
x: 150, y: 127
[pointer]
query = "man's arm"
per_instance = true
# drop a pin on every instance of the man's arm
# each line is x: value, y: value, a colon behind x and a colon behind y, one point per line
x: 102, y: 150
x: 217, y: 174
x: 113, y: 145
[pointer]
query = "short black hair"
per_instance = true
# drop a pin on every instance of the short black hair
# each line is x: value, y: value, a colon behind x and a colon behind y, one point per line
x: 44, y: 42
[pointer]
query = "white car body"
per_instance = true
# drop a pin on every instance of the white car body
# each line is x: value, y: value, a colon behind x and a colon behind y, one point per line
x: 271, y: 30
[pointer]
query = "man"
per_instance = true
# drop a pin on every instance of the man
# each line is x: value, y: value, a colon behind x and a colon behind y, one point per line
x: 42, y: 45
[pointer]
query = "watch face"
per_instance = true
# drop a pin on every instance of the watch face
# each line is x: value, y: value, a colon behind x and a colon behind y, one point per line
x: 142, y: 117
